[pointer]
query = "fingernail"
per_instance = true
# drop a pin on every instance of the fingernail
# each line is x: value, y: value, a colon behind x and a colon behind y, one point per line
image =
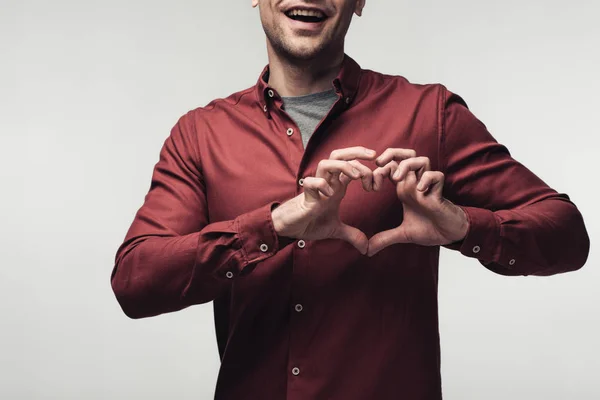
x: 397, y: 174
x: 370, y: 152
x: 355, y: 172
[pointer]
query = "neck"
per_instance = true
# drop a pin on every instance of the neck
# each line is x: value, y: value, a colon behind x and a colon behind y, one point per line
x: 299, y: 78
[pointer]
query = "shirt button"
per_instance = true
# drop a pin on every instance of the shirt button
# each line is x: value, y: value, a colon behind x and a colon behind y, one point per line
x: 296, y: 371
x: 476, y: 249
x: 301, y: 244
x: 271, y: 94
x: 348, y: 100
x: 265, y: 108
x: 290, y: 132
x: 229, y: 274
x: 264, y: 248
x: 512, y: 262
x: 301, y: 182
x: 299, y: 307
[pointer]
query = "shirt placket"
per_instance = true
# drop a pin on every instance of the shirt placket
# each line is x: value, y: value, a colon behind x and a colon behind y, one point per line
x: 300, y: 312
x: 298, y: 369
x: 285, y: 126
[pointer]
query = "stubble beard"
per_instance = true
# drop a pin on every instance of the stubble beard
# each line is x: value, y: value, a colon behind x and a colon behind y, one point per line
x: 294, y: 53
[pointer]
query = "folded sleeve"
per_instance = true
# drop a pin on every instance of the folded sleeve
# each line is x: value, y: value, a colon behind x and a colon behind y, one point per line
x: 171, y: 257
x: 518, y: 225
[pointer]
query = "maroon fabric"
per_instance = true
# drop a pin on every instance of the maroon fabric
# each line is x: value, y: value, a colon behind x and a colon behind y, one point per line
x: 368, y: 327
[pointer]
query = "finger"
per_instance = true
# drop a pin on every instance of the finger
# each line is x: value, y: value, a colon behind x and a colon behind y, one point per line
x: 353, y: 153
x: 381, y: 173
x: 417, y: 164
x: 344, y: 180
x: 313, y: 186
x: 365, y: 173
x: 327, y: 169
x: 353, y: 236
x: 384, y: 239
x: 432, y: 182
x: 394, y: 154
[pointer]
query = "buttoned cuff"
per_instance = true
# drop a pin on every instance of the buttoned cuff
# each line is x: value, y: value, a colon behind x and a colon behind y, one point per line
x: 484, y: 241
x: 257, y: 235
x: 483, y: 236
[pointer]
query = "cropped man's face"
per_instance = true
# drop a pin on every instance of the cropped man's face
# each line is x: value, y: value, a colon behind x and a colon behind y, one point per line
x: 304, y: 29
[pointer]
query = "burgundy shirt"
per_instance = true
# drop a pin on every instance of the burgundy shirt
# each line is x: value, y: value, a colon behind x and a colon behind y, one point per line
x: 299, y: 319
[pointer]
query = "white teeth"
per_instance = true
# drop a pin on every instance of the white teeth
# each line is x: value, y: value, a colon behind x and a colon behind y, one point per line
x: 306, y: 13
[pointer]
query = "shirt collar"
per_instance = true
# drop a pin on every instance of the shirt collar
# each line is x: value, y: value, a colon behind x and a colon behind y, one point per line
x: 345, y: 84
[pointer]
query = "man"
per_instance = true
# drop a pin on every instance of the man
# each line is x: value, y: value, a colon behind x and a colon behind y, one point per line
x: 324, y: 288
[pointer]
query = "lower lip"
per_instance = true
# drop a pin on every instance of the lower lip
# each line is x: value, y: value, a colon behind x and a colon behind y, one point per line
x: 306, y: 26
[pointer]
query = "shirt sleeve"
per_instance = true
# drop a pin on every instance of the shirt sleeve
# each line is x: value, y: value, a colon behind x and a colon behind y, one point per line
x: 172, y: 257
x: 517, y: 224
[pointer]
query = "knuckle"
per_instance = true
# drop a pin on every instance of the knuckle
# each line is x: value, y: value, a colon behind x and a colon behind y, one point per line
x: 363, y: 170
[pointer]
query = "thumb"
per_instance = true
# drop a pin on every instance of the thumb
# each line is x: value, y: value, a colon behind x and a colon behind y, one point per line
x: 384, y: 239
x: 353, y: 236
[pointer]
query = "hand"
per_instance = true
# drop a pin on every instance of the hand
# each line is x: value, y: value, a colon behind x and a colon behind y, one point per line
x: 429, y: 219
x: 314, y: 214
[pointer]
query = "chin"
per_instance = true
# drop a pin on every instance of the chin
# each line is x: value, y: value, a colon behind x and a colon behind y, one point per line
x: 302, y: 51
x: 298, y: 47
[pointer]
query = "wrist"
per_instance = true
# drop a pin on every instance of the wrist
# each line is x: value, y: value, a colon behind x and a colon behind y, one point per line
x: 456, y: 225
x: 276, y: 218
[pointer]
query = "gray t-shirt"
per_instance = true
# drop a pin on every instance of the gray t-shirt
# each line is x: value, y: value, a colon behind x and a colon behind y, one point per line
x: 307, y: 111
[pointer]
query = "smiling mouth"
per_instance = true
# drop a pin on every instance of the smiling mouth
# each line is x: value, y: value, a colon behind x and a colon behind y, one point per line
x: 310, y: 16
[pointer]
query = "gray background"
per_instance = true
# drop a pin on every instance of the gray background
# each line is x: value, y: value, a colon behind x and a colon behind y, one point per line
x: 89, y: 92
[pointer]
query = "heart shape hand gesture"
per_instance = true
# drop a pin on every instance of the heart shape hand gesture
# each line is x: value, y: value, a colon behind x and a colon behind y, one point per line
x: 429, y: 219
